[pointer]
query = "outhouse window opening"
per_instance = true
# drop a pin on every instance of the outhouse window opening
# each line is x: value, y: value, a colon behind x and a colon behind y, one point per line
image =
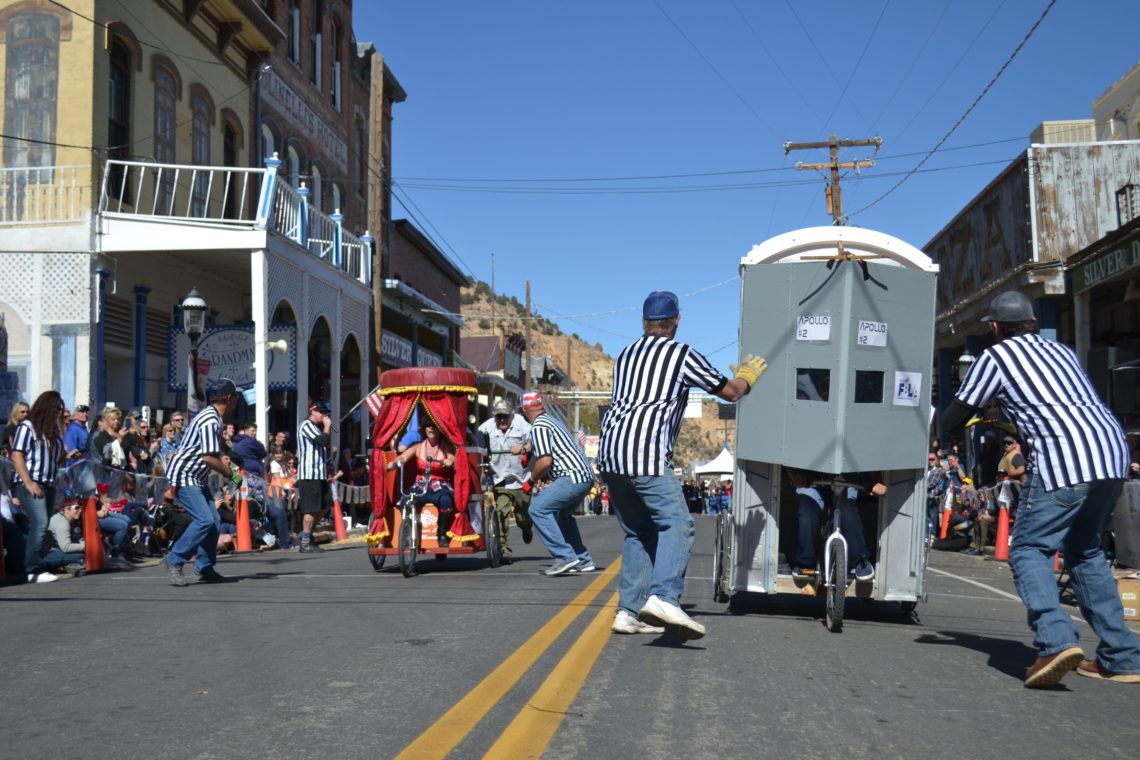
x: 868, y: 386
x: 813, y: 384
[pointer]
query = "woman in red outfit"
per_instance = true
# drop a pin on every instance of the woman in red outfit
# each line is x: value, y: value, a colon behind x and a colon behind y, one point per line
x: 435, y: 467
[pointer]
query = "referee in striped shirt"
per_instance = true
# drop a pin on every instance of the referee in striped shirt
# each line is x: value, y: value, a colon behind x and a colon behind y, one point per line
x: 556, y: 454
x: 1078, y: 462
x: 315, y: 492
x: 652, y: 378
x: 200, y: 452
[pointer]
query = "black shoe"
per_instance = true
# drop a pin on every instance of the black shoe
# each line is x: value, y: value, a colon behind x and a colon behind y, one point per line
x: 210, y: 575
x: 506, y: 560
x: 174, y: 573
x: 528, y: 533
x: 311, y: 548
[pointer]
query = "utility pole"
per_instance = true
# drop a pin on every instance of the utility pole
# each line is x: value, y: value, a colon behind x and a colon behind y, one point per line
x: 834, y: 196
x: 526, y: 327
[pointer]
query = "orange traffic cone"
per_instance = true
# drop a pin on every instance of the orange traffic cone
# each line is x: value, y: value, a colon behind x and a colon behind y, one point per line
x: 338, y: 518
x: 1057, y: 562
x: 1001, y: 541
x: 947, y: 508
x: 94, y: 559
x: 244, y: 538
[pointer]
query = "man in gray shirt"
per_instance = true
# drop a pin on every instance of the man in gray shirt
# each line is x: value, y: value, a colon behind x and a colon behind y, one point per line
x: 505, y: 436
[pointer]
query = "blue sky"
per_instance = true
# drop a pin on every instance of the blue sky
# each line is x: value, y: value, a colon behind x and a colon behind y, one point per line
x: 593, y: 102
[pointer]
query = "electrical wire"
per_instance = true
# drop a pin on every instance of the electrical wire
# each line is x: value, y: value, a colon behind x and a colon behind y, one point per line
x: 968, y: 111
x: 144, y: 43
x: 855, y: 68
x: 716, y: 71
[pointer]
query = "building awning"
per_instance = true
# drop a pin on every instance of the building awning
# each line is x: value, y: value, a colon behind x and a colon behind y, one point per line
x: 418, y: 305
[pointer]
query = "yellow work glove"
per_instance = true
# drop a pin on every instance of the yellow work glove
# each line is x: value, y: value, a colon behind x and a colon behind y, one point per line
x: 973, y: 421
x: 750, y: 369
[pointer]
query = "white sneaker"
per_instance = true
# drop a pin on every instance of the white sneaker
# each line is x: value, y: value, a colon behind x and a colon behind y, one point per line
x: 624, y: 622
x: 676, y: 623
x: 589, y: 567
x: 119, y: 562
x: 562, y: 568
x: 42, y: 577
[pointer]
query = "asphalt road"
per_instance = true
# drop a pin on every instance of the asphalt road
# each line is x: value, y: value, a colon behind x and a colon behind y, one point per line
x: 319, y: 656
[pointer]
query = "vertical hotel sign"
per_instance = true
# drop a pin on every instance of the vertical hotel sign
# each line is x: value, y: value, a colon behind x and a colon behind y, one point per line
x: 276, y: 92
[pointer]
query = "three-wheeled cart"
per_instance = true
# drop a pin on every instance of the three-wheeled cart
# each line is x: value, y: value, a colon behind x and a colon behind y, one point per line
x: 845, y: 319
x: 399, y: 525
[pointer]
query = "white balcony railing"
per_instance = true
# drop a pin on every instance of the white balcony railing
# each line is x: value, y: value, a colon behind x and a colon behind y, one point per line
x: 237, y: 197
x: 42, y: 195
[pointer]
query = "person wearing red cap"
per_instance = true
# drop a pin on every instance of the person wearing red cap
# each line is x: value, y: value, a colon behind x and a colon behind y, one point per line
x: 556, y: 454
x: 652, y: 378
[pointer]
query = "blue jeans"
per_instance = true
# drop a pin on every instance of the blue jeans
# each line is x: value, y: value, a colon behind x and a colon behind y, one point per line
x: 279, y: 519
x: 201, y: 535
x: 810, y: 506
x: 37, y: 511
x: 1071, y: 520
x: 15, y: 546
x: 115, y: 527
x: 851, y: 526
x: 552, y: 513
x: 658, y: 537
x: 56, y: 559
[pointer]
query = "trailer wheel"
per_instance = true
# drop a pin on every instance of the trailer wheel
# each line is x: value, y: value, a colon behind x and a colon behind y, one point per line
x: 377, y: 561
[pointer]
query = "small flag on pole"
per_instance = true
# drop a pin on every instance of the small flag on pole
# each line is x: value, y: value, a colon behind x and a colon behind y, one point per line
x: 581, y: 438
x: 374, y: 402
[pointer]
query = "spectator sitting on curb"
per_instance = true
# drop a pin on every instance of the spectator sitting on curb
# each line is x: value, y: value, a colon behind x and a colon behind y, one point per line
x: 63, y: 546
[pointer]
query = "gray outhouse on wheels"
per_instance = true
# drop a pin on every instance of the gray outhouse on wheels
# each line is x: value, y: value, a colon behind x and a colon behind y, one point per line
x: 845, y: 319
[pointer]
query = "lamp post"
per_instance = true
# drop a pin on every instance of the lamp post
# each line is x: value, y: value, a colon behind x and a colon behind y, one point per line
x: 965, y: 361
x: 194, y: 322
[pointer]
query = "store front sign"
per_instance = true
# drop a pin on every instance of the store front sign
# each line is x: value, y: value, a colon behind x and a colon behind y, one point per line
x: 229, y: 351
x: 396, y: 351
x: 1108, y: 265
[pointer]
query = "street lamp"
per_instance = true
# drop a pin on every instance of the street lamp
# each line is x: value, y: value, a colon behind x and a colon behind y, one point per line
x: 965, y: 361
x: 194, y: 322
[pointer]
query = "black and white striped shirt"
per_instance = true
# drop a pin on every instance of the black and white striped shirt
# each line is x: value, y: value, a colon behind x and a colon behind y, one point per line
x: 312, y: 455
x: 1042, y: 389
x: 41, y: 454
x: 201, y: 438
x: 652, y: 377
x: 551, y: 439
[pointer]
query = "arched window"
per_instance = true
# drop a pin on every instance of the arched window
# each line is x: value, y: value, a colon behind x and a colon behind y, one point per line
x: 361, y: 158
x: 336, y: 43
x: 293, y: 159
x: 32, y: 40
x: 201, y: 115
x: 268, y: 142
x: 165, y: 93
x: 231, y: 149
x: 119, y: 116
x: 317, y: 188
x: 293, y: 31
x: 315, y: 43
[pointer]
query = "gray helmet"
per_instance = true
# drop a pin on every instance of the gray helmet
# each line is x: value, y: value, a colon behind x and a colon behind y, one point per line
x: 502, y: 407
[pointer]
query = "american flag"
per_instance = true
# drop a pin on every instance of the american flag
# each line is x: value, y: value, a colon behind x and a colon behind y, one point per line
x: 374, y: 402
x: 581, y: 438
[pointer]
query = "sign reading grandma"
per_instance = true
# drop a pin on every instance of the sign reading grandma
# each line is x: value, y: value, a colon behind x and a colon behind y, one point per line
x: 1107, y: 265
x: 230, y: 350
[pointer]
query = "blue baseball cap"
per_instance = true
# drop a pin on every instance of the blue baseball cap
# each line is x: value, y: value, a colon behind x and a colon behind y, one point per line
x: 660, y: 304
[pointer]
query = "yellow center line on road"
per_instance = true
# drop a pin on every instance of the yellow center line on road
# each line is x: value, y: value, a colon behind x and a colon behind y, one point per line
x: 532, y: 729
x: 438, y: 739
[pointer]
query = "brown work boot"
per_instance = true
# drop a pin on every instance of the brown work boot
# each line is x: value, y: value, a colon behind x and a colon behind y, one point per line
x: 1092, y: 669
x: 1049, y: 670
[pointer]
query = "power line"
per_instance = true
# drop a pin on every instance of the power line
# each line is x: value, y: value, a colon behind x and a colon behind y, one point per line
x: 730, y: 172
x: 647, y: 190
x: 858, y: 62
x: 716, y: 71
x: 968, y: 111
x: 44, y: 142
x: 408, y: 206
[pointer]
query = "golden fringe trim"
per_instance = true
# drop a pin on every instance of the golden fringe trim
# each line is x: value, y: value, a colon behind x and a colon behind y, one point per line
x: 466, y: 389
x: 463, y: 539
x: 375, y: 539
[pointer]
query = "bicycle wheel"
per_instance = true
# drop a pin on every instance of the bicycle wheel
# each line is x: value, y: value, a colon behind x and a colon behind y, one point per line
x: 408, y: 545
x: 493, y: 537
x: 836, y: 586
x: 377, y: 561
x: 720, y: 562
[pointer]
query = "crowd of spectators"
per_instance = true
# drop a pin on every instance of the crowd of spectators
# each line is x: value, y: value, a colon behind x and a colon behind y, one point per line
x: 707, y: 497
x: 119, y: 459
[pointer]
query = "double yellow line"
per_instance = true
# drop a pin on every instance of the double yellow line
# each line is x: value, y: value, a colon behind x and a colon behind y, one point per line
x: 534, y: 726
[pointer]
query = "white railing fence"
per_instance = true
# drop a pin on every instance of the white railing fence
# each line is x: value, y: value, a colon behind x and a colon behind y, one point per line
x: 44, y: 194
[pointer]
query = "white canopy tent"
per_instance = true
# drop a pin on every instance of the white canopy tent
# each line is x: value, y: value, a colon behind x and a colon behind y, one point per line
x: 723, y: 464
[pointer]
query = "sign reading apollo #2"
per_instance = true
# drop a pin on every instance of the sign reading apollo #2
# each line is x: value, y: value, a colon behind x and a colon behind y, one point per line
x: 230, y: 351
